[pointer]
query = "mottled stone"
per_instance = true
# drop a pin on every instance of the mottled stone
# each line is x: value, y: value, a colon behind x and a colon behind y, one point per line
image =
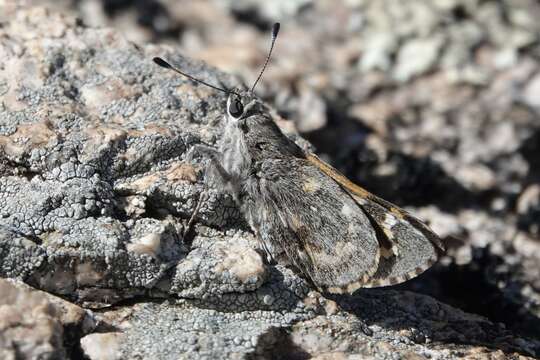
x: 96, y: 190
x: 102, y: 346
x: 36, y: 325
x: 416, y: 57
x: 530, y: 95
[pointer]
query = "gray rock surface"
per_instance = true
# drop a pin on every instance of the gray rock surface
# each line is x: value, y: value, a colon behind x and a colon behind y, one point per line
x: 38, y: 325
x: 95, y: 194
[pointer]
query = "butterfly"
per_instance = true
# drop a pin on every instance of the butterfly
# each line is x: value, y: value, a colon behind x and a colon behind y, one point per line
x: 305, y: 213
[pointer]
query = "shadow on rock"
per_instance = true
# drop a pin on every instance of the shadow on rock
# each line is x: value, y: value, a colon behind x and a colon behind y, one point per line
x: 275, y: 344
x: 530, y: 149
x: 422, y: 320
x: 489, y: 285
x: 414, y: 182
x: 487, y: 305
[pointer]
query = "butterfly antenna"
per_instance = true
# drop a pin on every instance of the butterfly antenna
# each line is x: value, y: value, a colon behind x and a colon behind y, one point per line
x: 275, y: 31
x: 166, y: 65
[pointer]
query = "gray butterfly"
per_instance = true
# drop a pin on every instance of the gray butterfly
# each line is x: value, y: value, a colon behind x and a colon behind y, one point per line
x: 305, y: 213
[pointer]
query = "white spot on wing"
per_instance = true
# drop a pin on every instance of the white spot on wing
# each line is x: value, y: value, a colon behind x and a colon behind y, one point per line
x: 346, y: 210
x: 390, y: 220
x: 360, y: 200
x: 311, y: 186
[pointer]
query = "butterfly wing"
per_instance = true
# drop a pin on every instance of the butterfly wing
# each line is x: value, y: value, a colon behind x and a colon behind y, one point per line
x: 321, y: 229
x: 408, y: 247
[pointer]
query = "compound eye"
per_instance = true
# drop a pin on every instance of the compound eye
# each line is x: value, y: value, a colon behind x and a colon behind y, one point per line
x: 236, y: 109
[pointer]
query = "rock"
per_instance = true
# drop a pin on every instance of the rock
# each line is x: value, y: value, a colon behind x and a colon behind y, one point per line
x: 222, y: 268
x: 312, y: 112
x: 379, y: 48
x: 102, y: 346
x: 528, y: 209
x: 280, y: 9
x: 530, y: 95
x: 417, y: 57
x: 96, y: 190
x: 34, y: 324
x: 168, y: 332
x: 86, y: 153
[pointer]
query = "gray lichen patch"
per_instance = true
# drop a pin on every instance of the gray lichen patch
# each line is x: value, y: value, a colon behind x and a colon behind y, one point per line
x: 159, y: 239
x: 20, y: 256
x: 219, y: 268
x: 97, y: 192
x: 189, y: 332
x: 372, y: 325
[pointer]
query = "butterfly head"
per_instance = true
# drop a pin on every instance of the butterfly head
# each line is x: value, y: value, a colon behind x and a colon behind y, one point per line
x: 243, y: 104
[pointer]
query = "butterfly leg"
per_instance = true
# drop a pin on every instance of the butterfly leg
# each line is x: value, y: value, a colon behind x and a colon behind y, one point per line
x: 263, y: 249
x: 214, y: 170
x: 200, y: 149
x: 214, y: 173
x: 269, y: 258
x: 194, y: 214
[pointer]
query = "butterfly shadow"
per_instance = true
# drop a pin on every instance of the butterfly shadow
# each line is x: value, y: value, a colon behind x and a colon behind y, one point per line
x: 488, y: 285
x: 422, y: 319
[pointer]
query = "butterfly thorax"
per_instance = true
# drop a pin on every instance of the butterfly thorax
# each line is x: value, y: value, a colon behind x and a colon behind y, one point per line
x: 251, y: 136
x: 236, y: 159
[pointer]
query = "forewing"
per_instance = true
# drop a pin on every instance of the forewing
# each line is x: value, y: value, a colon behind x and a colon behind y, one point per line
x: 319, y: 226
x: 407, y: 246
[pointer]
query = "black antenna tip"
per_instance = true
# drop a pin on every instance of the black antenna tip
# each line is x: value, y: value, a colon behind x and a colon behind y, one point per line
x: 162, y: 63
x: 275, y: 29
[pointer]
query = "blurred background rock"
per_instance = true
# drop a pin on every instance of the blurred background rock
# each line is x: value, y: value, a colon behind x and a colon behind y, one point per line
x: 431, y: 104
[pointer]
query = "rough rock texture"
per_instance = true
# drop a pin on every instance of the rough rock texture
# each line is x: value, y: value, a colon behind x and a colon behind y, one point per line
x: 436, y: 110
x: 411, y: 324
x: 37, y: 325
